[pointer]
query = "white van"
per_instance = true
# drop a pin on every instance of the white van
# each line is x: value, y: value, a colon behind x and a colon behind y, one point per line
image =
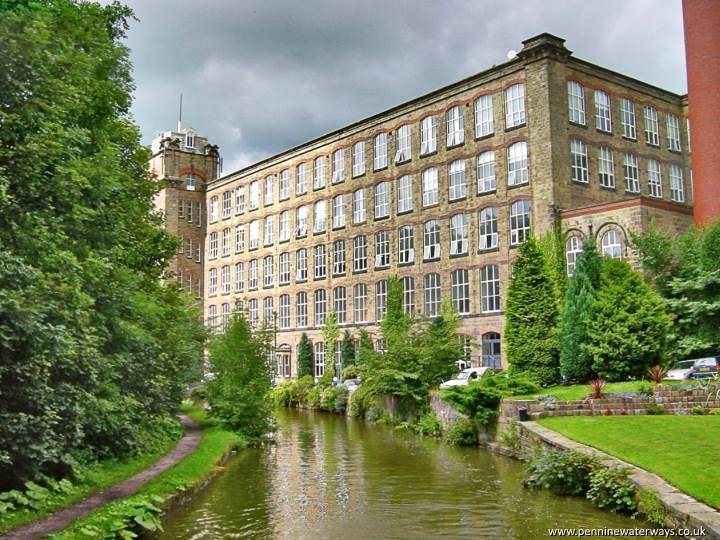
x: 466, y: 376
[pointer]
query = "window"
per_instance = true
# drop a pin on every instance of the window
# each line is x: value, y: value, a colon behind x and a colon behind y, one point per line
x: 490, y: 289
x: 380, y: 151
x: 284, y: 268
x: 431, y: 240
x: 519, y: 222
x: 488, y: 228
x: 268, y: 271
x: 673, y: 132
x: 181, y: 209
x: 611, y: 244
x: 225, y: 242
x: 190, y: 140
x: 189, y: 211
x: 359, y: 253
x: 268, y: 310
x: 301, y: 265
x: 284, y: 185
x: 240, y: 200
x: 268, y: 230
x: 406, y: 245
x: 239, y: 277
x: 319, y: 173
x: 652, y: 128
x: 677, y: 188
x: 632, y: 173
x: 301, y: 314
x: 459, y: 234
x: 432, y: 294
x: 300, y: 179
x: 239, y: 238
x: 213, y: 209
x: 382, y: 249
x: 360, y: 302
x: 382, y: 200
x: 319, y: 359
x: 340, y: 304
x: 460, y: 290
x: 226, y: 204
x: 491, y: 350
x: 380, y: 300
x: 190, y: 182
x: 254, y: 195
x: 338, y: 166
x: 213, y: 245
x: 457, y: 183
x: 455, y: 126
x: 404, y: 144
x: 320, y: 262
x: 408, y: 284
x: 268, y: 190
x: 253, y: 316
x: 484, y: 124
x: 301, y: 218
x: 212, y: 316
x: 338, y: 209
x: 319, y: 213
x: 339, y: 258
x: 576, y: 102
x: 428, y: 135
x: 212, y: 281
x: 627, y: 118
x: 606, y: 167
x: 486, y: 172
x: 430, y: 186
x: 253, y: 274
x: 285, y: 314
x: 225, y: 316
x: 320, y: 307
x: 655, y: 178
x: 603, y: 120
x: 358, y: 159
x: 514, y: 105
x: 360, y: 205
x: 578, y: 161
x: 404, y: 194
x: 517, y: 164
x: 284, y: 226
x: 254, y: 234
x: 573, y: 248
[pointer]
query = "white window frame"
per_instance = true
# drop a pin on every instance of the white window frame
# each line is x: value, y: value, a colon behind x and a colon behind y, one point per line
x: 301, y: 310
x: 225, y: 242
x: 403, y: 141
x: 573, y: 249
x: 457, y: 180
x: 404, y: 194
x: 212, y: 281
x: 269, y: 190
x: 603, y: 114
x: 431, y: 240
x: 338, y: 211
x: 432, y: 294
x: 301, y: 184
x: 606, y: 167
x: 486, y: 172
x: 408, y: 284
x: 360, y: 205
x: 520, y: 221
x: 380, y: 151
x: 360, y: 294
x: 254, y: 202
x: 340, y: 304
x: 654, y: 173
x: 226, y: 204
x: 673, y: 132
x: 611, y: 244
x: 579, y: 161
x: 284, y: 318
x: 631, y: 173
x: 284, y: 268
x: 576, y: 102
x: 239, y: 200
x: 301, y: 219
x: 284, y: 226
x: 339, y: 262
x: 652, y: 126
x: 488, y: 228
x: 490, y: 299
x: 284, y: 185
x: 320, y: 305
x: 358, y: 159
x: 319, y: 172
x: 459, y: 234
x: 428, y: 135
x: 430, y: 187
x: 268, y: 271
x: 338, y: 166
x: 319, y: 262
x: 319, y: 356
x: 677, y: 185
x: 515, y: 105
x: 269, y: 231
x: 213, y: 245
x: 627, y: 119
x: 253, y: 280
x: 239, y: 277
x: 455, y: 124
x: 406, y: 244
x: 301, y: 269
x: 380, y: 300
x: 382, y: 249
x: 254, y: 234
x: 517, y: 164
x: 484, y: 121
x: 319, y: 216
x: 460, y: 290
x: 360, y: 253
x: 382, y: 200
x: 213, y: 209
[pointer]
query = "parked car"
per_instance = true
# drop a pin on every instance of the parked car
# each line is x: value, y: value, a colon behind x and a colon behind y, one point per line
x: 706, y: 368
x: 680, y: 371
x: 351, y: 384
x: 466, y: 376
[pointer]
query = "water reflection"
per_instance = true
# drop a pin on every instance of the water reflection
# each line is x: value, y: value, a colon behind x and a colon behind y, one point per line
x: 328, y: 477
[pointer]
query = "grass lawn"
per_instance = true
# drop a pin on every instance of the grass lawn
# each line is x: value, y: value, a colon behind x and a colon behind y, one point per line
x: 681, y: 449
x: 581, y: 391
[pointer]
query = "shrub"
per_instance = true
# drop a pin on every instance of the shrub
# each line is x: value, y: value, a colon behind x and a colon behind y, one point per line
x: 428, y: 425
x: 657, y: 374
x: 714, y: 412
x: 327, y: 399
x: 611, y: 490
x: 510, y: 438
x: 651, y: 507
x: 462, y: 433
x: 476, y: 400
x: 511, y: 384
x: 313, y: 397
x: 198, y: 393
x: 561, y: 472
x: 597, y: 386
x: 698, y: 409
x: 350, y: 372
x: 341, y: 399
x: 655, y: 409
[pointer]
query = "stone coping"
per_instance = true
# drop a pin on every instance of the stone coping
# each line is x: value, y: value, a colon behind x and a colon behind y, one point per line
x: 685, y: 511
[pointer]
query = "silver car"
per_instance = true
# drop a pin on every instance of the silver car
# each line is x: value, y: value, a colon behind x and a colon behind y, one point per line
x: 680, y: 371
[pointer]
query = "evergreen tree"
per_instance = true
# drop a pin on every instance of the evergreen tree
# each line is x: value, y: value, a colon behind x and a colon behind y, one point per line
x: 553, y: 249
x: 440, y: 345
x: 396, y: 324
x: 575, y: 358
x: 366, y: 351
x: 628, y: 324
x: 306, y: 360
x: 330, y: 333
x: 531, y: 317
x: 347, y: 350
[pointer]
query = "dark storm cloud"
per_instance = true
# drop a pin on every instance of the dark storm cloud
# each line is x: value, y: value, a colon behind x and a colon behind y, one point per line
x: 261, y: 76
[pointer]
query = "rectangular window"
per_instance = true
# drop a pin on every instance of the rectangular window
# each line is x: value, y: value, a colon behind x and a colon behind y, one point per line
x: 382, y: 200
x: 677, y: 187
x: 673, y: 132
x: 268, y: 230
x: 301, y: 314
x: 489, y: 289
x: 488, y: 228
x: 382, y: 249
x: 268, y: 271
x: 457, y: 182
x: 431, y: 240
x: 428, y: 135
x: 408, y: 284
x: 338, y: 166
x: 254, y: 195
x: 360, y: 303
x: 213, y: 245
x: 225, y: 316
x: 358, y: 159
x: 269, y: 190
x: 459, y: 234
x: 253, y: 274
x: 253, y: 316
x: 181, y: 210
x: 627, y: 118
x: 519, y: 222
x: 320, y: 308
x: 338, y: 210
x: 460, y: 291
x: 319, y: 359
x: 517, y: 164
x: 404, y: 194
x: 301, y: 265
x: 406, y: 245
x: 212, y: 281
x: 340, y: 304
x: 380, y: 149
x: 655, y: 178
x: 268, y: 310
x: 254, y: 236
x: 404, y: 144
x: 284, y: 185
x: 430, y: 186
x: 320, y: 261
x: 240, y: 200
x: 225, y: 242
x: 284, y: 268
x: 319, y: 173
x: 514, y: 105
x: 359, y: 254
x: 484, y: 123
x: 239, y: 277
x: 631, y: 173
x: 380, y: 300
x: 213, y: 209
x: 284, y: 319
x: 360, y: 206
x: 486, y: 180
x: 301, y: 218
x: 455, y: 126
x: 603, y: 119
x: 301, y: 179
x: 212, y: 316
x: 284, y: 226
x: 579, y: 161
x: 432, y: 295
x: 198, y: 214
x: 319, y: 215
x: 226, y: 204
x: 652, y: 128
x: 576, y: 102
x: 606, y: 167
x: 339, y: 258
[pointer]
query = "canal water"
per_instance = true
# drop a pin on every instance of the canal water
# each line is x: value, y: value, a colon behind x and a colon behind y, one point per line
x: 329, y: 477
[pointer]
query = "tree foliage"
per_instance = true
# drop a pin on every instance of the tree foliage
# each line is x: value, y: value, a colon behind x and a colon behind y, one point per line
x: 330, y: 333
x: 347, y: 350
x: 306, y: 360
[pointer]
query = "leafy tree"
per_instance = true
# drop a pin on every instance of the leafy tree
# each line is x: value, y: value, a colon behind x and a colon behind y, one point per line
x: 628, y: 324
x: 531, y: 317
x: 396, y: 324
x: 347, y: 350
x: 239, y: 392
x: 553, y: 249
x: 306, y: 360
x: 440, y: 346
x: 575, y: 357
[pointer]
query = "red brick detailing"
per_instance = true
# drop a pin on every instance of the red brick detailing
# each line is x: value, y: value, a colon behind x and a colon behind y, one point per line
x: 702, y: 51
x: 193, y: 170
x: 638, y: 201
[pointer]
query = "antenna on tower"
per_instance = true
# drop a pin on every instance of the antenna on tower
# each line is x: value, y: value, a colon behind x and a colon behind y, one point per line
x: 179, y: 124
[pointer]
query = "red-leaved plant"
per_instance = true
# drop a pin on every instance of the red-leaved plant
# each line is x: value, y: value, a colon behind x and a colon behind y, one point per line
x: 657, y: 374
x: 608, y: 412
x: 597, y: 386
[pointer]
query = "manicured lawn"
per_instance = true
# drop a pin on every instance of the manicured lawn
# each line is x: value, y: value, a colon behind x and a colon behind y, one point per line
x: 681, y: 449
x: 581, y: 391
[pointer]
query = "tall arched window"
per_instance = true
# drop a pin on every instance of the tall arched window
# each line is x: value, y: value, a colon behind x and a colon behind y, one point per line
x: 573, y: 248
x: 611, y: 244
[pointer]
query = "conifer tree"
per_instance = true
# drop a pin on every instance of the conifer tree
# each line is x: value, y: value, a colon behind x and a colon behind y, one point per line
x: 330, y: 333
x: 305, y: 356
x: 347, y: 350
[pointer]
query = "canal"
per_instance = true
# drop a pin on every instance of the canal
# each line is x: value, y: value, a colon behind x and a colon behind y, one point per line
x: 329, y: 477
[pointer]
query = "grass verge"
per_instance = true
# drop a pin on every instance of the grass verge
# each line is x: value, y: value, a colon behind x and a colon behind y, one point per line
x: 680, y: 449
x: 581, y: 391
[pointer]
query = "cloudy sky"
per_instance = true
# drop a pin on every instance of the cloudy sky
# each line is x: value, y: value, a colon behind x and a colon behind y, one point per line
x: 260, y: 76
